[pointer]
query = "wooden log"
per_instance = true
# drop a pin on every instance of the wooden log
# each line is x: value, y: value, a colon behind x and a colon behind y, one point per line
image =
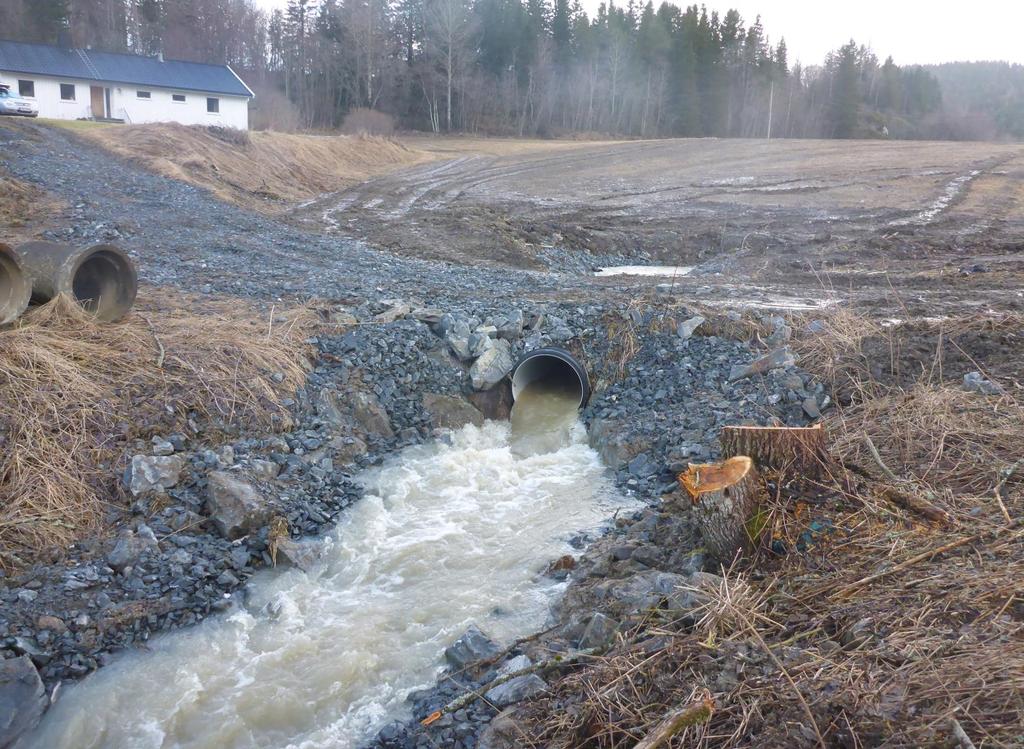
x: 727, y: 504
x: 678, y: 720
x: 795, y: 451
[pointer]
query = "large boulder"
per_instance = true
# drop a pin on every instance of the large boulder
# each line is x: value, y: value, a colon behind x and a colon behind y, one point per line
x: 153, y: 473
x: 515, y: 690
x: 492, y: 366
x: 370, y: 415
x: 22, y: 699
x: 496, y: 403
x: 451, y: 412
x: 473, y: 646
x: 236, y: 507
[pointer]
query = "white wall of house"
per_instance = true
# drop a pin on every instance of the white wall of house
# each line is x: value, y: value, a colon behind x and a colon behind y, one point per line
x: 125, y: 103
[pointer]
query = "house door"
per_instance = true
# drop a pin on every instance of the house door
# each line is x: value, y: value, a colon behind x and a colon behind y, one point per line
x: 99, y: 101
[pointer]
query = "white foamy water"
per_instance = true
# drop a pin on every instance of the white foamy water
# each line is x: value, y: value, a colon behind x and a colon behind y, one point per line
x: 645, y: 270
x: 446, y: 536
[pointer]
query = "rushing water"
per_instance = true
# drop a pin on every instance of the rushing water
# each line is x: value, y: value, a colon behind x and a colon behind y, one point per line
x: 447, y: 535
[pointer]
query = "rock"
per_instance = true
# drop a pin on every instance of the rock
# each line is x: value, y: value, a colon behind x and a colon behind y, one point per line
x: 456, y: 335
x: 511, y: 327
x: 613, y: 442
x: 302, y: 554
x: 642, y: 466
x: 503, y: 732
x: 641, y: 591
x: 235, y: 506
x: 488, y: 330
x: 479, y: 344
x: 473, y: 646
x: 129, y: 547
x: 975, y: 382
x: 692, y: 596
x: 600, y: 631
x: 347, y: 449
x: 396, y: 311
x: 777, y: 359
x: 516, y: 690
x: 52, y: 623
x: 162, y: 447
x: 492, y: 367
x: 816, y: 326
x: 496, y: 403
x: 264, y: 469
x: 686, y: 329
x: 369, y: 413
x: 450, y: 412
x: 153, y: 473
x: 22, y: 699
x: 810, y: 406
x: 514, y: 664
x: 428, y: 315
x: 781, y: 334
x: 341, y: 317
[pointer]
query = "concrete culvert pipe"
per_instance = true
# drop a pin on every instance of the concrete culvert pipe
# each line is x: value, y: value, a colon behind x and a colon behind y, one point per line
x: 101, y: 278
x: 551, y: 365
x: 15, y: 286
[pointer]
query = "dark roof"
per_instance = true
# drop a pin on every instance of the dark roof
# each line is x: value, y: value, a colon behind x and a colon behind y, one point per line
x: 43, y: 59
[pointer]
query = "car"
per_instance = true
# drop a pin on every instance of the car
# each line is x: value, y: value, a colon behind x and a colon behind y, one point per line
x: 16, y: 105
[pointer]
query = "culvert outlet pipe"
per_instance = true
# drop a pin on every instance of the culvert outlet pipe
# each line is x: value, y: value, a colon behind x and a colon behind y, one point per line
x: 101, y: 278
x: 554, y: 366
x: 15, y: 286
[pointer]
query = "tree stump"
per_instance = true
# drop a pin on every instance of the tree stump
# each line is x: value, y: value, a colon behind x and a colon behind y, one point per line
x: 727, y: 500
x: 792, y: 451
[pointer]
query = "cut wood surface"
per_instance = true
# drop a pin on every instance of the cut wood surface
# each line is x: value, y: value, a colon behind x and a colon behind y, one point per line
x: 727, y: 499
x: 794, y: 450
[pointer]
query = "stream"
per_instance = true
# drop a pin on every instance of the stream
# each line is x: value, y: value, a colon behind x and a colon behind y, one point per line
x: 449, y: 533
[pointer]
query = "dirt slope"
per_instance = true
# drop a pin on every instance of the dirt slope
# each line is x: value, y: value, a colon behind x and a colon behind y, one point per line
x: 265, y: 171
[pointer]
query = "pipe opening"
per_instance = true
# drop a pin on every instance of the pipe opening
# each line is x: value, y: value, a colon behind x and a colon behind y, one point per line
x: 556, y: 370
x: 104, y: 283
x: 15, y: 288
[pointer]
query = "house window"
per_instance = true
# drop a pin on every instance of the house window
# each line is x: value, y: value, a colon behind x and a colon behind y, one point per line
x: 143, y: 94
x: 67, y: 92
x: 212, y: 105
x: 27, y: 88
x: 178, y: 97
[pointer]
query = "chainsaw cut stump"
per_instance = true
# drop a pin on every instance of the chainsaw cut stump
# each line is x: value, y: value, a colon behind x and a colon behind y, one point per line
x: 796, y: 451
x: 727, y: 500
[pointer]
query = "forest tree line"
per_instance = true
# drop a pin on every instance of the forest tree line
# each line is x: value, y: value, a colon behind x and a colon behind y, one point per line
x: 539, y: 67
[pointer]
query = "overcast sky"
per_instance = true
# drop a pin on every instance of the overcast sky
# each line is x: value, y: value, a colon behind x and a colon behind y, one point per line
x: 912, y: 31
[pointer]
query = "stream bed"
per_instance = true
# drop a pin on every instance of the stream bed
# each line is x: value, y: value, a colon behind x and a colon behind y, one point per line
x: 450, y: 533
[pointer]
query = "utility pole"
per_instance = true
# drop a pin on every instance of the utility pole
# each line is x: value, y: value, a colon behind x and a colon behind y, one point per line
x: 771, y: 100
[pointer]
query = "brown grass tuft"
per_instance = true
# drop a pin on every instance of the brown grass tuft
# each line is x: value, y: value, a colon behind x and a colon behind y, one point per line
x: 75, y: 393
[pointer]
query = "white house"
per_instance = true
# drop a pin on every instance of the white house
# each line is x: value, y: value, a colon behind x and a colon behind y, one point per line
x: 75, y: 84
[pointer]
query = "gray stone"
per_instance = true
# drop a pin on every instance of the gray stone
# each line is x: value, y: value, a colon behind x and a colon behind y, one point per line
x: 22, y: 698
x: 777, y: 359
x: 615, y: 444
x: 686, y: 328
x: 451, y: 412
x: 479, y: 344
x: 264, y: 469
x: 397, y: 309
x: 129, y: 547
x: 810, y: 406
x: 516, y: 690
x: 512, y: 665
x: 511, y: 327
x: 600, y: 631
x: 642, y: 466
x: 488, y: 330
x: 503, y: 732
x: 473, y: 646
x: 341, y: 317
x: 975, y: 382
x: 492, y: 367
x: 235, y: 506
x: 369, y: 414
x: 781, y: 334
x: 153, y: 473
x: 641, y: 591
x: 457, y: 337
x: 428, y: 315
x: 162, y: 447
x: 816, y: 326
x: 302, y: 554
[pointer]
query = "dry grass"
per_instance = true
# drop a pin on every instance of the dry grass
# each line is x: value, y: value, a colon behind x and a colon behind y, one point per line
x: 874, y: 627
x: 269, y: 172
x: 75, y: 394
x: 22, y: 205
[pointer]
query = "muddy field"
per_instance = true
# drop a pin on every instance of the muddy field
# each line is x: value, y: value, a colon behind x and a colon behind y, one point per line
x: 818, y: 221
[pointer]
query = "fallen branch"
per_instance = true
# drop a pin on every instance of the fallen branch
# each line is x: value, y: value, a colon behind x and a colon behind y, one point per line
x: 916, y: 504
x: 470, y: 697
x: 962, y: 739
x: 878, y: 459
x: 1004, y: 476
x: 695, y: 714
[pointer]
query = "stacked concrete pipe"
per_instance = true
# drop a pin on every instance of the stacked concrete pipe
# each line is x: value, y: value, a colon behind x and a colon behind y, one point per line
x: 15, y: 286
x: 101, y: 278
